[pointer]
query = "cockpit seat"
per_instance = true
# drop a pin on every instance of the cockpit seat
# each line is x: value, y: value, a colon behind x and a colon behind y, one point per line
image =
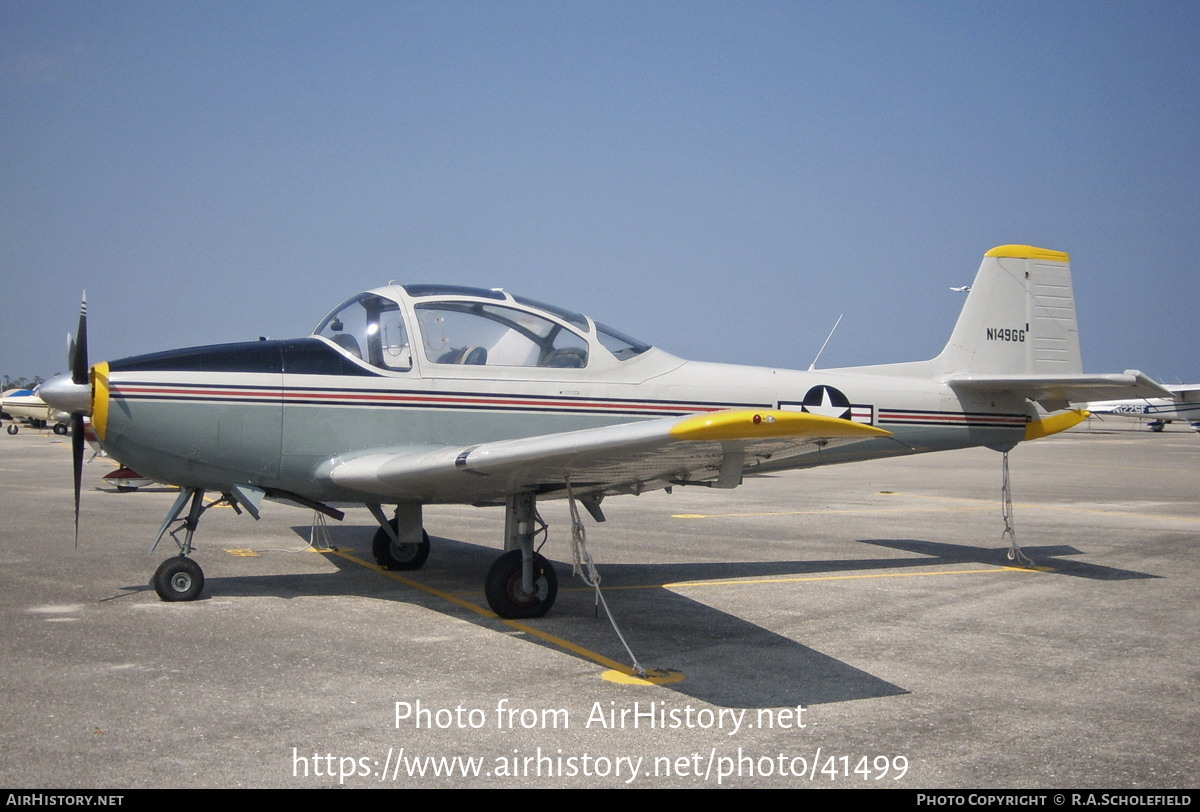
x: 474, y: 356
x: 348, y: 343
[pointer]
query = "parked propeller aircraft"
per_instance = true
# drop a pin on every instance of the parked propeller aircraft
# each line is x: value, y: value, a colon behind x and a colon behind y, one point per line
x: 409, y: 395
x: 24, y: 406
x: 126, y: 479
x: 1184, y: 404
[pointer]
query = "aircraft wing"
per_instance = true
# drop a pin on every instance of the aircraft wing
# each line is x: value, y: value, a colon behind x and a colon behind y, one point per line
x: 1055, y: 392
x: 1186, y: 393
x: 714, y: 446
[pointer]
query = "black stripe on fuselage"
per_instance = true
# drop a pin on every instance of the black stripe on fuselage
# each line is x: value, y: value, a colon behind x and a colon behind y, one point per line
x: 918, y: 417
x: 296, y: 356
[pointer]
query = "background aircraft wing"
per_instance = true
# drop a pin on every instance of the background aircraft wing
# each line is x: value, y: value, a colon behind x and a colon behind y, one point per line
x: 715, y: 446
x: 1186, y: 393
x: 1056, y: 392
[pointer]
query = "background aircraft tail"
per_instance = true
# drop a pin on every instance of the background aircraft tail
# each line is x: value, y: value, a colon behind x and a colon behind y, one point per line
x: 1019, y: 317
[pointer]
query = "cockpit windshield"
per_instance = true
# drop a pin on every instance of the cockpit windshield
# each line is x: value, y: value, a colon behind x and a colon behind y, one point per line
x: 370, y: 327
x: 619, y: 344
x: 454, y: 327
x: 478, y: 334
x: 566, y: 315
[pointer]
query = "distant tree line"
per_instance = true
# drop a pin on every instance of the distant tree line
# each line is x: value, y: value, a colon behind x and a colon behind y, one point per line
x: 21, y: 383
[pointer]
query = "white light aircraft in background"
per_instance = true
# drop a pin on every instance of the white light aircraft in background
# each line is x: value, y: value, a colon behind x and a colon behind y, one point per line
x: 1184, y: 404
x: 24, y: 406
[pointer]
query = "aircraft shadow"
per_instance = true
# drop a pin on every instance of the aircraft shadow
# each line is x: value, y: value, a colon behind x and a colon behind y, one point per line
x: 728, y: 661
x: 1050, y: 555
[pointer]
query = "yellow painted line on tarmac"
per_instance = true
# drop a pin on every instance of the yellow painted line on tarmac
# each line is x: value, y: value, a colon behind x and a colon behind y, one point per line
x: 653, y: 677
x: 790, y: 580
x: 848, y: 511
x: 804, y: 578
x: 488, y: 613
x: 608, y: 588
x: 973, y: 505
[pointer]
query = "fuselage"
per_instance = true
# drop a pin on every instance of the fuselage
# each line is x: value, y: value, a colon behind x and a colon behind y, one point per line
x: 480, y: 366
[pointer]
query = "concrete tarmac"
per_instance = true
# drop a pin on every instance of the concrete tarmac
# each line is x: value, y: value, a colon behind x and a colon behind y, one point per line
x: 851, y: 626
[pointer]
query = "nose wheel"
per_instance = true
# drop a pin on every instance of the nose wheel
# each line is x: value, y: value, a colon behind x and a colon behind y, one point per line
x: 179, y: 579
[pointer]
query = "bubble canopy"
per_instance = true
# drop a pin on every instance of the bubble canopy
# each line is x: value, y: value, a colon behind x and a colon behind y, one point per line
x: 456, y: 325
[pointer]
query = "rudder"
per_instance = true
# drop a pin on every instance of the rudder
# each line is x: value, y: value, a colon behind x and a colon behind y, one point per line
x: 1019, y: 317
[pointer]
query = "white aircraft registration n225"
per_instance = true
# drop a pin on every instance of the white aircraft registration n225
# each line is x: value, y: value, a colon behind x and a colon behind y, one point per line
x: 411, y: 395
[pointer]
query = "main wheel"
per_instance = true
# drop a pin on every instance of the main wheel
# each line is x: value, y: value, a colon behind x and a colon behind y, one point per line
x: 12, y: 428
x: 179, y: 579
x: 393, y: 556
x: 503, y: 587
x: 60, y: 429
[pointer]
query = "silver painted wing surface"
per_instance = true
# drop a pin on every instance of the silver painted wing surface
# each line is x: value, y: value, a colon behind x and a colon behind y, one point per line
x: 714, y: 447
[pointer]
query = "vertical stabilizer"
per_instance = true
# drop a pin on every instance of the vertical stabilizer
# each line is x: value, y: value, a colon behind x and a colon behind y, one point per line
x: 1019, y: 317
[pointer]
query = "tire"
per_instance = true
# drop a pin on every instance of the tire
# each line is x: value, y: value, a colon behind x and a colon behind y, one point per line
x: 391, y: 556
x: 60, y: 429
x: 503, y: 587
x: 178, y: 579
x: 12, y: 428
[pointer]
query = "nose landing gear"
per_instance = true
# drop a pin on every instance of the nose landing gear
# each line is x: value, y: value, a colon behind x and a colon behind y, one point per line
x: 179, y: 579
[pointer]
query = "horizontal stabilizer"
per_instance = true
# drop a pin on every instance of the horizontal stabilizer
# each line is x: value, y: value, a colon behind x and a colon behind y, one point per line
x: 1057, y: 391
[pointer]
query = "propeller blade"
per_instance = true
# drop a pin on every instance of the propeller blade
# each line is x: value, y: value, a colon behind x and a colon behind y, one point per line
x: 77, y: 461
x: 79, y: 359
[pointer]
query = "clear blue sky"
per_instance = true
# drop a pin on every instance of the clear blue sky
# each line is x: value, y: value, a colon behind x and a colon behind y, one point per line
x: 721, y: 179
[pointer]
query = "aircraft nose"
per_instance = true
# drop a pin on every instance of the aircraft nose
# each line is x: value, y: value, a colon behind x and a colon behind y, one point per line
x: 65, y: 395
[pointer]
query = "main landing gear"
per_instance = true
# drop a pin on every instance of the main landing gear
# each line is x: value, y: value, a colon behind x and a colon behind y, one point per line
x: 520, y: 584
x: 505, y: 586
x: 400, y: 543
